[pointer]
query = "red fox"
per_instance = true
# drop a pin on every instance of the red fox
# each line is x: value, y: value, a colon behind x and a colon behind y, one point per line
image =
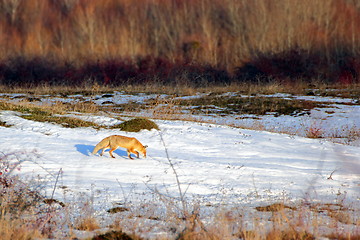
x: 113, y: 142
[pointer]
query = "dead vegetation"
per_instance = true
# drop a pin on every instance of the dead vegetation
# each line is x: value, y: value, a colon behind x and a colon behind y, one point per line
x: 46, y: 114
x: 257, y: 105
x: 189, y: 43
x: 136, y: 125
x: 275, y: 207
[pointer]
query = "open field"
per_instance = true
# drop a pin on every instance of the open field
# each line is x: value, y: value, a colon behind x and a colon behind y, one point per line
x: 329, y: 113
x: 205, y: 177
x: 250, y: 109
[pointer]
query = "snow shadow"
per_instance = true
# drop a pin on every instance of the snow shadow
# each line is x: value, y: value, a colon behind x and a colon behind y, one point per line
x: 87, y: 150
x: 84, y: 149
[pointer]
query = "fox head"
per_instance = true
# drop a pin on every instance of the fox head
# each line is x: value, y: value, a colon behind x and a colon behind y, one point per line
x: 143, y: 150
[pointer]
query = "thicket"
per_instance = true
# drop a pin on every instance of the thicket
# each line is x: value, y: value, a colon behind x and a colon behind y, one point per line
x: 136, y: 125
x: 177, y: 42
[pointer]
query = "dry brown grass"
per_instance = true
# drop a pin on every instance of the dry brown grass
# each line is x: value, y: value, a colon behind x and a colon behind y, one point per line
x: 314, y: 131
x: 297, y: 88
x: 164, y: 107
x: 225, y: 33
x: 26, y: 106
x: 53, y: 90
x: 47, y: 113
x: 277, y: 221
x: 19, y: 217
x: 87, y: 224
x: 18, y: 230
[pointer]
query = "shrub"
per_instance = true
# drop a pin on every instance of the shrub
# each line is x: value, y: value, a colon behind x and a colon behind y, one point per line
x: 289, y: 64
x: 118, y: 235
x: 40, y: 71
x: 314, y: 131
x: 136, y: 125
x: 18, y: 200
x: 299, y: 64
x: 87, y: 224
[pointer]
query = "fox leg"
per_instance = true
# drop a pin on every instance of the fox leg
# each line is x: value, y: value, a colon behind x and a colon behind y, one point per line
x: 129, y: 154
x: 110, y: 152
x: 137, y: 153
x: 131, y: 150
x: 103, y: 150
x: 134, y: 152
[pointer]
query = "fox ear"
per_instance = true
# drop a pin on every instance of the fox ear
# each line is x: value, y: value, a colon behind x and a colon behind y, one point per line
x: 145, y: 146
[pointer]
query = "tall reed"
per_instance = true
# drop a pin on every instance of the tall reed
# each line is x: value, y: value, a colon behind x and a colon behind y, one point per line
x: 221, y: 33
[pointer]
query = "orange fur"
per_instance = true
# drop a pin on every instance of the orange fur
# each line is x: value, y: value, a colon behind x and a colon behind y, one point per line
x: 131, y: 144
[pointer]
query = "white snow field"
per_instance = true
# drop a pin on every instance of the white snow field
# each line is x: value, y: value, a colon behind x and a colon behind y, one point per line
x: 216, y: 165
x: 210, y: 160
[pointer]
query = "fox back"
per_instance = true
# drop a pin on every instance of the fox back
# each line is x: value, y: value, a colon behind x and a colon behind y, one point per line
x: 131, y: 144
x: 128, y: 143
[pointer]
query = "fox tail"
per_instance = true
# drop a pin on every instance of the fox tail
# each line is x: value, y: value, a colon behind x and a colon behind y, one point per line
x: 103, y: 143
